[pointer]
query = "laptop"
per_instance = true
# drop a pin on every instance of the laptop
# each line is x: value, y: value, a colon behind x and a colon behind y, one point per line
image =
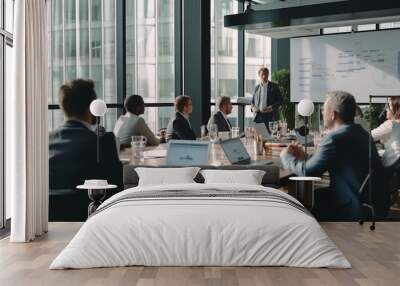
x: 262, y: 130
x: 187, y: 153
x: 237, y: 154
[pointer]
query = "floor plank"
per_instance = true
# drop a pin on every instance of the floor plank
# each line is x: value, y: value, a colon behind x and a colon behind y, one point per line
x: 375, y: 257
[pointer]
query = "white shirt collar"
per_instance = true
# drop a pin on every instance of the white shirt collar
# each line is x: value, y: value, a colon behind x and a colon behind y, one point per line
x: 185, y: 115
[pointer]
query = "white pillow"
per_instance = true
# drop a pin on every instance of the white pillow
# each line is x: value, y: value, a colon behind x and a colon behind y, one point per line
x: 166, y: 176
x: 248, y: 177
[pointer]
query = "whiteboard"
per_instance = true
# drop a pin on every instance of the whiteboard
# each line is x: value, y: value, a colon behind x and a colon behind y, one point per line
x: 360, y: 63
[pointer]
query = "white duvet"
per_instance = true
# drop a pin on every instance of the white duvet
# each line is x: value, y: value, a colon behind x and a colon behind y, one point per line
x: 200, y: 231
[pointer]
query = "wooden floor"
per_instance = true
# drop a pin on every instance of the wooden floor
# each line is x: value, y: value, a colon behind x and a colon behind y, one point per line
x: 375, y: 257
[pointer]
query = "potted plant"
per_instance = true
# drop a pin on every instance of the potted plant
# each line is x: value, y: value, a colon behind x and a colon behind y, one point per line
x: 287, y: 108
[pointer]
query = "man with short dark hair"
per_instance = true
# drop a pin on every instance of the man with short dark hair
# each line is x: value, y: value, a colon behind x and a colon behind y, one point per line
x: 220, y: 118
x: 344, y: 152
x: 266, y: 100
x: 131, y: 124
x: 179, y: 127
x: 73, y: 154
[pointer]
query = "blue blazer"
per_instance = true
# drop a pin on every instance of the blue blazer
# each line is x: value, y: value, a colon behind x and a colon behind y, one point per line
x: 344, y: 153
x: 180, y: 129
x: 73, y: 157
x: 274, y: 98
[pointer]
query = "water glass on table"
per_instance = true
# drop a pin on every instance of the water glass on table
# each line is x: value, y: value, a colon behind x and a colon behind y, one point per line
x: 235, y: 132
x: 249, y: 133
x: 273, y: 128
x: 138, y: 144
x: 213, y: 132
x: 203, y: 131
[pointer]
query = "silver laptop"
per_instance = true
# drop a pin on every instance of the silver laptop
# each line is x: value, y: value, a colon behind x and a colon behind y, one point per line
x: 237, y: 154
x: 262, y: 130
x: 187, y: 152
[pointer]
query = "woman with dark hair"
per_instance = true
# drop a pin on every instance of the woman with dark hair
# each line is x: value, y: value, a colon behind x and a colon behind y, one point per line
x: 389, y: 131
x: 131, y: 124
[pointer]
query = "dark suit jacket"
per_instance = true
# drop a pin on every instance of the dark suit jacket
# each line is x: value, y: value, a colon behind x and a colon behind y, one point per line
x: 222, y: 124
x: 179, y: 128
x: 345, y: 154
x: 73, y: 157
x: 274, y: 98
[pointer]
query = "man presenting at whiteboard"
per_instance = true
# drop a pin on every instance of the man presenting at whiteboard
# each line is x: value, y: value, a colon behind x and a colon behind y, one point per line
x: 266, y: 99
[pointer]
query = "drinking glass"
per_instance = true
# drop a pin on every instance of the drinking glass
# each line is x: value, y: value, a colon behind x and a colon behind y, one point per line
x: 213, y: 132
x: 138, y: 144
x: 203, y: 131
x: 273, y: 127
x: 249, y: 133
x: 235, y: 132
x: 283, y: 128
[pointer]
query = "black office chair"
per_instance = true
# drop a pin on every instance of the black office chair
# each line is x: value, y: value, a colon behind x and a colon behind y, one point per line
x: 375, y: 192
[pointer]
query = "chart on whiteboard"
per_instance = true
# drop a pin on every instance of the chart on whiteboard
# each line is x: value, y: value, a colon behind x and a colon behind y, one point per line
x: 362, y: 64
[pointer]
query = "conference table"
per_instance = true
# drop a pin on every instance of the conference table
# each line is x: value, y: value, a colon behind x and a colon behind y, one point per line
x: 155, y: 156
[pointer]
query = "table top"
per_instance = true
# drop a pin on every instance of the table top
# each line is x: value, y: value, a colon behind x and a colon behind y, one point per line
x: 216, y: 156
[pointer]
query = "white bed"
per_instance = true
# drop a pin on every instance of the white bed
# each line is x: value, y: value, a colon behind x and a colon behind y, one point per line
x: 184, y: 230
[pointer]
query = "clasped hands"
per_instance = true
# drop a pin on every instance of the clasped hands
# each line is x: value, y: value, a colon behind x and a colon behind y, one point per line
x: 296, y: 150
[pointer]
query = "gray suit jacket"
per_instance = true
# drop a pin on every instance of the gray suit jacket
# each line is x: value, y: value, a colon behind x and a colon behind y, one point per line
x: 134, y: 125
x: 345, y: 154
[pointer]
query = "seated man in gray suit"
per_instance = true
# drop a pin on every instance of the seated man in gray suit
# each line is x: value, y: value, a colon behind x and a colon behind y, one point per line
x: 220, y: 118
x: 179, y: 127
x: 131, y: 124
x: 73, y: 154
x: 343, y: 152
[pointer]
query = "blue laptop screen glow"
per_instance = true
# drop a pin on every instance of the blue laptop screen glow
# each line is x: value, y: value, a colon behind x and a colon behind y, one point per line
x: 187, y: 153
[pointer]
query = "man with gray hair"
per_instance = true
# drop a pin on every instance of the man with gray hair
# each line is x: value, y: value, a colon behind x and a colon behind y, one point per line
x: 220, y: 118
x: 344, y: 153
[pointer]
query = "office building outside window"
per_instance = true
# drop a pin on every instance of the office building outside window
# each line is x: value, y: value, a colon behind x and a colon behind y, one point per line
x: 224, y: 54
x: 150, y: 57
x: 82, y: 36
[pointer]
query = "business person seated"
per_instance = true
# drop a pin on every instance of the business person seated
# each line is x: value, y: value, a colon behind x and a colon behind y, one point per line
x: 389, y: 131
x: 73, y: 154
x: 179, y: 127
x: 131, y: 124
x: 359, y: 119
x: 344, y: 153
x: 266, y: 100
x: 220, y: 118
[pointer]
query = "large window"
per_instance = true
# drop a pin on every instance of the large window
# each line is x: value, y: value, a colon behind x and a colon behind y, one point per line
x: 6, y: 65
x: 150, y: 56
x: 82, y: 36
x: 224, y: 54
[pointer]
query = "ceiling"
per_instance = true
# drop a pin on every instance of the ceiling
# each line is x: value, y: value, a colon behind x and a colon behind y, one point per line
x: 295, y: 18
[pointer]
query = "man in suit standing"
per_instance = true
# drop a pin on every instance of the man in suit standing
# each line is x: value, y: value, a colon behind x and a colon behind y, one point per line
x: 220, y: 118
x: 73, y: 154
x: 179, y: 127
x: 344, y: 153
x: 266, y: 99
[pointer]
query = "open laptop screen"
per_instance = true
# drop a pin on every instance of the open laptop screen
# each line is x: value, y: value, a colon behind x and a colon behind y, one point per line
x: 187, y: 153
x: 235, y: 151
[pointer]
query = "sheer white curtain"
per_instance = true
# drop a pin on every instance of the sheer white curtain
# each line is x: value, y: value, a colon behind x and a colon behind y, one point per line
x: 26, y: 119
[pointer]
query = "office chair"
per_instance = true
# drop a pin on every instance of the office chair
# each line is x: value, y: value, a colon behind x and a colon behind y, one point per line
x: 375, y: 192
